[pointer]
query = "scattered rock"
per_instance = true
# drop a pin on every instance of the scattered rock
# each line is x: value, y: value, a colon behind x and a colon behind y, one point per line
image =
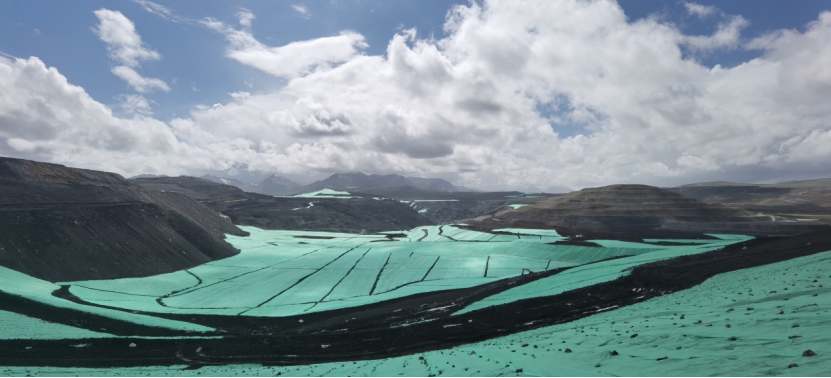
x: 795, y: 326
x: 730, y: 310
x: 780, y: 312
x: 614, y: 353
x: 569, y: 350
x: 732, y: 338
x: 727, y: 325
x: 524, y: 345
x: 519, y: 370
x: 633, y: 336
x: 792, y: 366
x: 132, y: 345
x: 682, y: 317
x: 750, y: 309
x: 808, y: 353
x: 794, y: 337
x: 662, y: 358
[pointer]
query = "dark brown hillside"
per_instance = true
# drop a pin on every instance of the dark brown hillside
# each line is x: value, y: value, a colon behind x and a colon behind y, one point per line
x: 639, y: 208
x: 59, y: 223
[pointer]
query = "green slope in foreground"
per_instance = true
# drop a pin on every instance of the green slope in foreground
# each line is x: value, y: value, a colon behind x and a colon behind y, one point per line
x: 680, y: 334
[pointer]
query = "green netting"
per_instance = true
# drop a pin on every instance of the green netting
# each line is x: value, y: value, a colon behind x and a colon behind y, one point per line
x: 280, y: 310
x: 682, y: 241
x: 16, y: 326
x: 19, y: 284
x: 243, y: 292
x: 529, y: 231
x: 624, y: 244
x: 504, y: 238
x: 323, y: 193
x: 503, y: 266
x: 587, y: 275
x: 274, y: 275
x: 731, y: 237
x: 114, y: 299
x: 398, y: 273
x: 314, y: 288
x: 357, y: 283
x: 448, y: 267
x: 762, y: 347
x: 162, y: 284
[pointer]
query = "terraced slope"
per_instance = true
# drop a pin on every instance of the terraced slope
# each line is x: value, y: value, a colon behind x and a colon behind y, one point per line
x: 739, y: 323
x: 638, y: 208
x: 590, y: 318
x: 59, y: 223
x: 285, y: 273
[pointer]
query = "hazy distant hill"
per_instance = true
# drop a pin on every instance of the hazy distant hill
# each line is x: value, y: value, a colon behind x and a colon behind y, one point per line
x: 358, y: 180
x: 792, y: 193
x: 641, y: 208
x: 271, y: 185
x: 358, y: 214
x: 801, y: 199
x: 277, y: 185
x: 145, y: 176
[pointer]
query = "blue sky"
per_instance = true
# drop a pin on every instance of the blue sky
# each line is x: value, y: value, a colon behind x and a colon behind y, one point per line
x: 194, y: 60
x: 193, y: 55
x: 196, y: 66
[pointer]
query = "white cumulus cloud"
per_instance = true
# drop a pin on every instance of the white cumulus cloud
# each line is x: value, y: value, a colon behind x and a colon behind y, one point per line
x: 700, y: 10
x: 291, y: 60
x: 139, y: 83
x: 125, y: 47
x: 622, y: 103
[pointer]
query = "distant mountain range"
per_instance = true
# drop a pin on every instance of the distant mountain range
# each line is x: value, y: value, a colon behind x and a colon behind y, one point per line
x: 271, y: 185
x: 145, y: 176
x: 358, y: 180
x: 278, y: 185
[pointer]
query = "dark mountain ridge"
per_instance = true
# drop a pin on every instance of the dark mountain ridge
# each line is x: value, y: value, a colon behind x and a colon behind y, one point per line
x: 355, y: 214
x: 271, y: 185
x: 796, y: 199
x: 61, y: 223
x: 641, y: 208
x: 359, y: 181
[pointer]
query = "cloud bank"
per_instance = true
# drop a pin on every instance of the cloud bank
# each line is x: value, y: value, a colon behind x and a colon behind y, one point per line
x: 532, y: 94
